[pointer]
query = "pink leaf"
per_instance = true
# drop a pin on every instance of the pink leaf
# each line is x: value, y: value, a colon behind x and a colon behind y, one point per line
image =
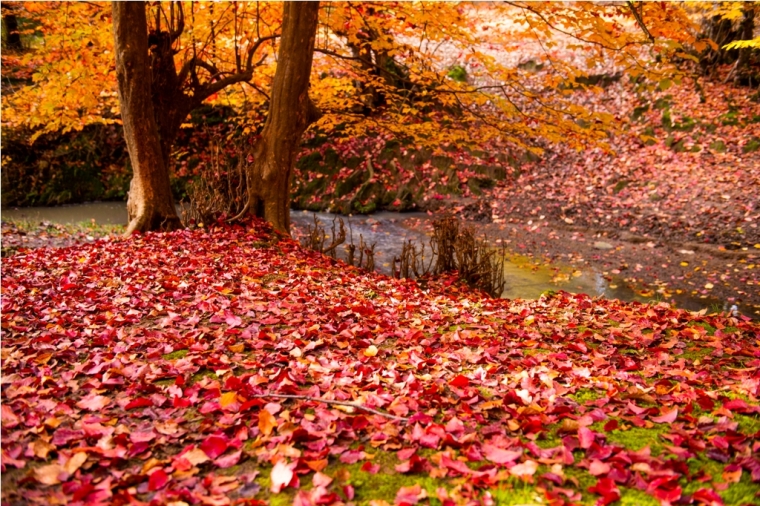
x: 499, y: 455
x: 94, y: 402
x: 232, y: 320
x: 228, y: 460
x: 668, y: 417
x: 598, y: 468
x: 410, y: 495
x: 586, y: 437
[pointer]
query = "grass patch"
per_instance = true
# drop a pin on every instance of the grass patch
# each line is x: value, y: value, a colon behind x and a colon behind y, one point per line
x: 636, y: 438
x: 636, y: 497
x: 709, y: 328
x: 695, y: 353
x: 176, y: 354
x: 584, y: 395
x: 203, y: 373
x: 748, y: 425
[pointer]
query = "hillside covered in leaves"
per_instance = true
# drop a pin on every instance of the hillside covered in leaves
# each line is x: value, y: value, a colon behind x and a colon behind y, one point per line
x: 231, y: 366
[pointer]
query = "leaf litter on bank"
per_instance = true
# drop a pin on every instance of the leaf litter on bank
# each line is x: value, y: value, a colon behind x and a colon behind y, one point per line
x: 97, y: 407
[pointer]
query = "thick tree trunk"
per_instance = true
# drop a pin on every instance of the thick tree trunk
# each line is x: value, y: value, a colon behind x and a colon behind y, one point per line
x: 290, y: 114
x: 150, y: 205
x: 170, y: 104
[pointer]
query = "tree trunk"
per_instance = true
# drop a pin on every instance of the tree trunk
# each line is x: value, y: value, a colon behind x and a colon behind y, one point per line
x: 747, y: 31
x: 12, y: 37
x: 150, y: 205
x: 290, y: 114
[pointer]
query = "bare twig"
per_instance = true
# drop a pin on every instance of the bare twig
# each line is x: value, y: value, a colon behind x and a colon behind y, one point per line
x: 330, y: 401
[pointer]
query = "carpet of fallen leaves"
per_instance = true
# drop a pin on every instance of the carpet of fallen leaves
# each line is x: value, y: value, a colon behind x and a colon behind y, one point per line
x: 147, y: 371
x: 682, y: 170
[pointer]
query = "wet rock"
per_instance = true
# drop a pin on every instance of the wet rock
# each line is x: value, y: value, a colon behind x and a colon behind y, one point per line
x: 603, y: 245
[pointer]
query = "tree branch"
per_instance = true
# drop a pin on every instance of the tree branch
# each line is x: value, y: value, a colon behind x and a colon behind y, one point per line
x: 640, y: 20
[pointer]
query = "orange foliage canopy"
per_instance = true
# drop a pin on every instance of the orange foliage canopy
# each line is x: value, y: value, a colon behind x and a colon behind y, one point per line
x: 434, y: 73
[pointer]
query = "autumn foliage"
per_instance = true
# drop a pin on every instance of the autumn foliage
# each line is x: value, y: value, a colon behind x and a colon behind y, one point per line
x: 232, y: 365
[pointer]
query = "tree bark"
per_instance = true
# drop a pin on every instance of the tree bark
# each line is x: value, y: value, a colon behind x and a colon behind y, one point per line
x: 291, y: 111
x: 150, y: 205
x: 12, y: 37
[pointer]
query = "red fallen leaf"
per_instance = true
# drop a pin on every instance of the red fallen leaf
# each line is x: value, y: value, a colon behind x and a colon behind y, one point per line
x: 459, y: 382
x: 157, y: 480
x: 369, y: 467
x: 213, y: 446
x: 607, y: 489
x: 499, y: 455
x: 140, y: 402
x: 736, y: 405
x: 707, y: 497
x: 667, y: 417
x: 611, y: 425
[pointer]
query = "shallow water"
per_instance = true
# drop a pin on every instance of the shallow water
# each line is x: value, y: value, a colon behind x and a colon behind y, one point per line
x: 388, y: 231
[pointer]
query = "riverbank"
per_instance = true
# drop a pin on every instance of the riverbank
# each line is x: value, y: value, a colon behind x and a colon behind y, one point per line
x: 544, y: 256
x: 230, y: 364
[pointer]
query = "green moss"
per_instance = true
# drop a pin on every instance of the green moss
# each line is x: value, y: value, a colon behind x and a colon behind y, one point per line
x: 203, y: 373
x: 636, y: 438
x: 686, y: 125
x: 638, y: 112
x: 584, y: 395
x: 730, y: 118
x: 520, y: 494
x: 620, y: 185
x: 744, y: 492
x: 709, y: 328
x: 176, y: 354
x: 696, y: 353
x: 636, y: 497
x: 751, y: 145
x: 383, y: 486
x: 585, y: 480
x: 748, y: 425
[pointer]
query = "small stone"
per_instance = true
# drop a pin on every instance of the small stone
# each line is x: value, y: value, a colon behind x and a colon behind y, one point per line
x: 603, y: 245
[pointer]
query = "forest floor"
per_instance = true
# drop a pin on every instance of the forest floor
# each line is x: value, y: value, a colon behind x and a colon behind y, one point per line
x: 232, y: 366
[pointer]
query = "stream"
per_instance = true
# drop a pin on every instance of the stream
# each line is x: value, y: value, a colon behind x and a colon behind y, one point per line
x: 387, y: 231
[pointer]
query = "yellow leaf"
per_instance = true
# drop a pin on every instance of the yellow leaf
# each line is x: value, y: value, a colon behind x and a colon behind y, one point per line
x: 371, y: 351
x: 267, y: 422
x: 237, y: 348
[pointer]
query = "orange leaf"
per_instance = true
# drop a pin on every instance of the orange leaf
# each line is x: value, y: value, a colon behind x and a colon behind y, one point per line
x: 267, y: 422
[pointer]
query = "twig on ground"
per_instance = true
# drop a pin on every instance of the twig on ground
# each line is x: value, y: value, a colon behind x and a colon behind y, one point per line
x: 329, y: 401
